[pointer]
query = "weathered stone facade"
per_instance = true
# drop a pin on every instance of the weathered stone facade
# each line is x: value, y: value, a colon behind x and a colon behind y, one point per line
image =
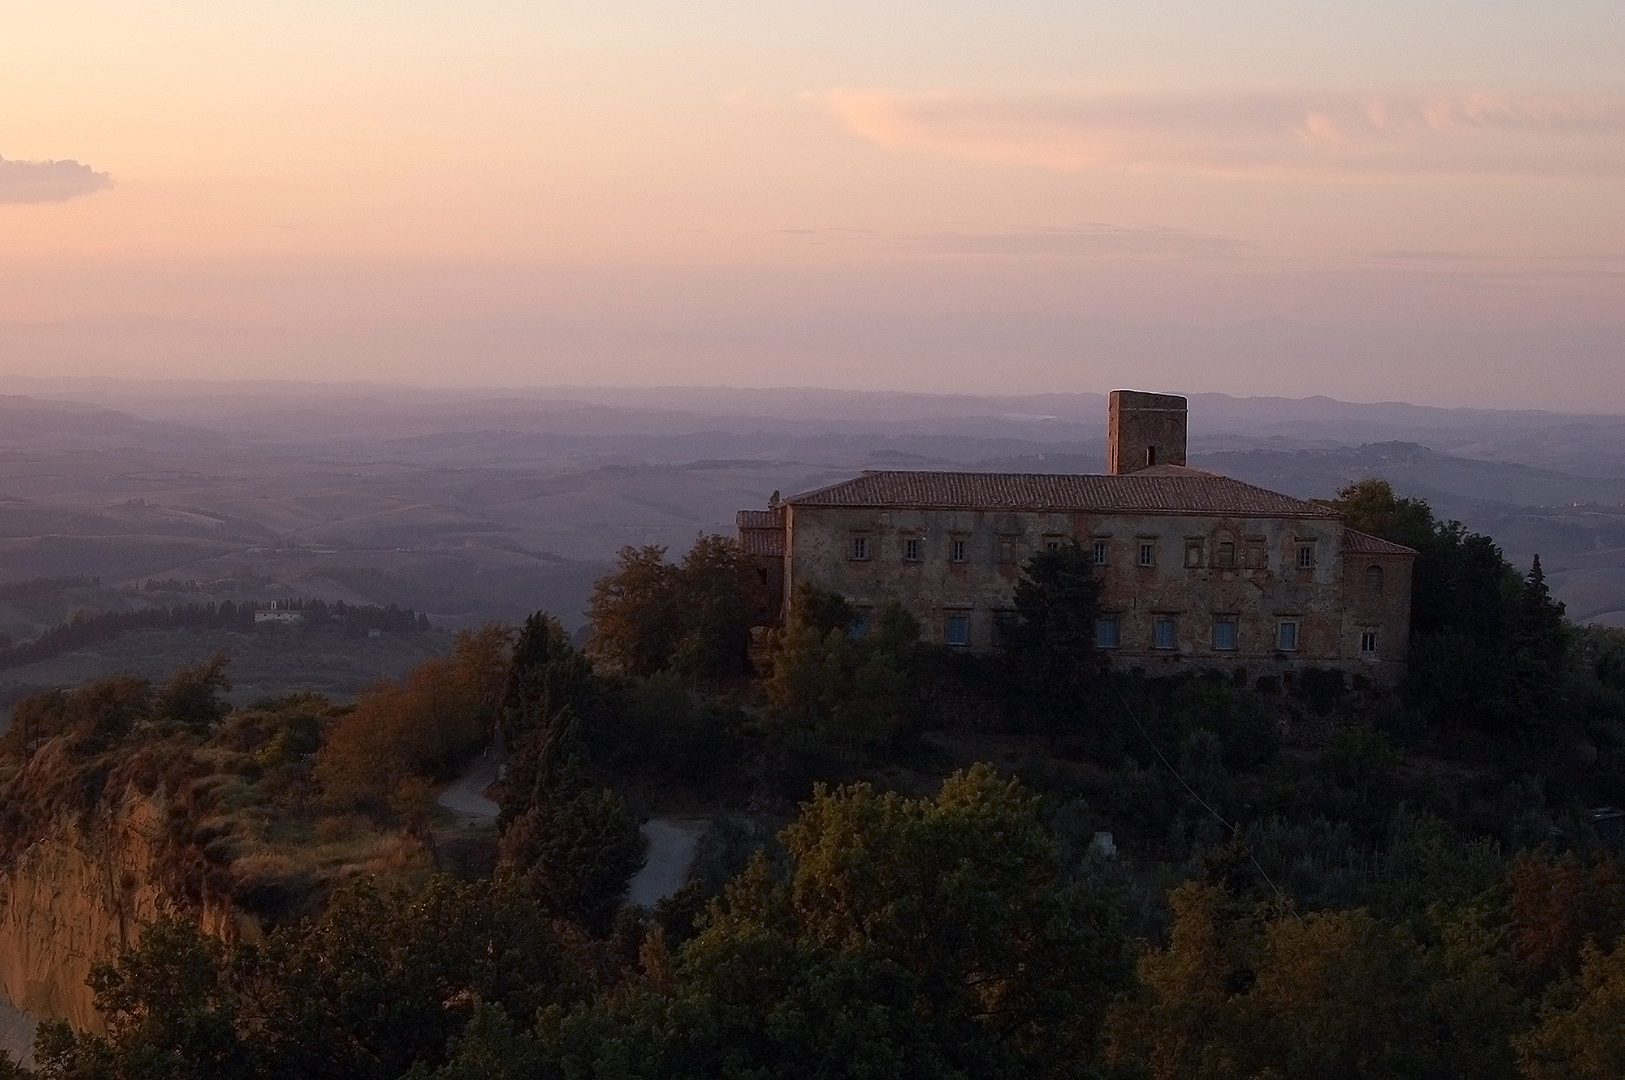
x: 1198, y: 571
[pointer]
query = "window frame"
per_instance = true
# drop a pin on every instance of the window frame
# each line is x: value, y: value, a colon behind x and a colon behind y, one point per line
x: 1306, y: 556
x: 1193, y: 554
x: 1160, y: 623
x: 1113, y: 620
x: 911, y: 549
x: 1368, y: 642
x: 958, y: 549
x: 1375, y: 580
x: 1148, y: 553
x: 857, y: 549
x: 1234, y: 623
x: 1224, y: 554
x: 1296, y: 633
x: 949, y: 620
x: 1098, y: 552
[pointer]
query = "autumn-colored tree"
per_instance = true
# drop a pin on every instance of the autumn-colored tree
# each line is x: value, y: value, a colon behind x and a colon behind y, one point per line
x: 1581, y: 1034
x: 419, y: 727
x: 691, y: 617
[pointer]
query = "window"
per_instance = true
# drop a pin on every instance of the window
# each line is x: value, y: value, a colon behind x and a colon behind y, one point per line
x: 956, y: 629
x: 862, y: 621
x: 911, y: 549
x: 1193, y: 553
x: 1373, y: 580
x: 860, y: 547
x: 957, y: 550
x: 1004, y: 623
x: 1286, y: 635
x: 1150, y: 456
x: 1224, y: 633
x: 1107, y: 633
x: 1226, y: 554
x: 1098, y: 553
x: 1009, y: 549
x: 1368, y: 642
x: 1052, y: 543
x: 1148, y: 553
x: 1306, y: 556
x: 1165, y: 632
x: 1255, y: 556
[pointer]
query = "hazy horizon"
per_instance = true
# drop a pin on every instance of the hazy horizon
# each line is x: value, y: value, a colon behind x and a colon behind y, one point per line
x: 1388, y: 202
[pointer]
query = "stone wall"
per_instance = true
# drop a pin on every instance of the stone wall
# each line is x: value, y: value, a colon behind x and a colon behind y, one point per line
x: 1200, y: 568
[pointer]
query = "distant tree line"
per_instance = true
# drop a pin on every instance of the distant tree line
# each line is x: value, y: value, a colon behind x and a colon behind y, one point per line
x: 44, y: 586
x: 85, y: 630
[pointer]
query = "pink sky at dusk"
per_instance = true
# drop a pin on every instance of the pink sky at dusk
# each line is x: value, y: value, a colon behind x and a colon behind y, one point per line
x: 1384, y: 200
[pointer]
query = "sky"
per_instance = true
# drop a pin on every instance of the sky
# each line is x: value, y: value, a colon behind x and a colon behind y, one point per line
x: 1417, y: 200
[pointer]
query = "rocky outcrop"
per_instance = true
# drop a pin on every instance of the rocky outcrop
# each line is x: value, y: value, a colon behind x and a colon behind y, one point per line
x: 79, y: 895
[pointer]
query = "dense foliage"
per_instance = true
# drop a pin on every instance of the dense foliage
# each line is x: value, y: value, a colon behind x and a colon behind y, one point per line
x: 1191, y: 878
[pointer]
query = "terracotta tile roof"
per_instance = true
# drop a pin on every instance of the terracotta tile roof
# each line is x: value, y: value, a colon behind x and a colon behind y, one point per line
x: 1163, y: 490
x: 761, y: 532
x: 760, y: 519
x: 1359, y: 543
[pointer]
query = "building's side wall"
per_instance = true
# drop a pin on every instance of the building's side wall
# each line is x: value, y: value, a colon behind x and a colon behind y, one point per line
x: 1263, y: 586
x: 1136, y: 421
x: 1381, y: 605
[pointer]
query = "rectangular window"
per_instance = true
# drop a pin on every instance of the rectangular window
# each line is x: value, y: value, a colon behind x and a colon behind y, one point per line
x: 1226, y: 555
x: 1165, y: 632
x: 1306, y: 556
x: 956, y: 629
x: 860, y: 547
x: 1107, y: 633
x: 1224, y: 633
x: 1193, y: 554
x: 1368, y: 642
x: 1255, y: 556
x: 1148, y: 553
x: 1004, y: 623
x: 911, y: 549
x: 1052, y: 543
x: 862, y: 621
x: 957, y: 550
x: 1009, y: 549
x: 1286, y: 635
x: 1098, y: 553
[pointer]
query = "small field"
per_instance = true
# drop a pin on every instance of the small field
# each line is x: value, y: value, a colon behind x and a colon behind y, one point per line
x: 266, y: 661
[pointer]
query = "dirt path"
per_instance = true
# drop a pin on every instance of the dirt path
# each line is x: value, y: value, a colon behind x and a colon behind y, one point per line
x: 671, y: 854
x: 464, y: 796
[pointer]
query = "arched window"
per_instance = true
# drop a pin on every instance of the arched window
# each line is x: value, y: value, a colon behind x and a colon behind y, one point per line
x: 1373, y: 580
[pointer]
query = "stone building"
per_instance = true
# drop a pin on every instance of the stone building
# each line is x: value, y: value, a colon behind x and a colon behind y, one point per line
x: 1199, y: 571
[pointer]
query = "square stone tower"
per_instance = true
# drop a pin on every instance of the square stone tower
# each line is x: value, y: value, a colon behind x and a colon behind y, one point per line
x: 1143, y: 430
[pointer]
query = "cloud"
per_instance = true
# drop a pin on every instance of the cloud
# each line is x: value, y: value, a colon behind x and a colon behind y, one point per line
x: 1087, y: 241
x: 48, y: 181
x: 1267, y: 133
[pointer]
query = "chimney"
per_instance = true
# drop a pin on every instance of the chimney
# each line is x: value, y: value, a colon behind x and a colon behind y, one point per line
x: 1143, y: 430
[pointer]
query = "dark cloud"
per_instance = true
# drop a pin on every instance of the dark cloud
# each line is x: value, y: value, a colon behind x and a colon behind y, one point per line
x: 48, y: 181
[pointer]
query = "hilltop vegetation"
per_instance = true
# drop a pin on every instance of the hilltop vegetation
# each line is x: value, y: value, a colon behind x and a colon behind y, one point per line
x: 907, y: 874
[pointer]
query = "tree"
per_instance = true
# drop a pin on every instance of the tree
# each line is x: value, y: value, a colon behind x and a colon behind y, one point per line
x: 1051, y: 645
x: 419, y: 728
x: 1581, y: 1034
x: 170, y: 1009
x: 910, y: 938
x: 694, y: 617
x: 855, y: 693
x: 634, y: 611
x: 192, y: 693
